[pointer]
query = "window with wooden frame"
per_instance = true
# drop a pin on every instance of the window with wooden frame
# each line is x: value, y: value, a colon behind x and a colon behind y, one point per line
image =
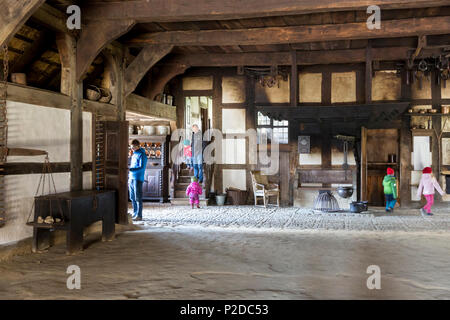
x: 268, y: 129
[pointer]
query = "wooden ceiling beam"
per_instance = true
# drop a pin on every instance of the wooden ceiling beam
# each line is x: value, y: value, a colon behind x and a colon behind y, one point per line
x: 297, y: 34
x: 13, y: 15
x: 51, y: 18
x: 182, y: 10
x: 303, y: 57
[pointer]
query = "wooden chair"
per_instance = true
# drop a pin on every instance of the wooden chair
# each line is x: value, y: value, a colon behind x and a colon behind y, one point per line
x: 262, y: 188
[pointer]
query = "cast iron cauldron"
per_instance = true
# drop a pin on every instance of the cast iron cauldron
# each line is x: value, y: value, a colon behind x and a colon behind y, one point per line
x: 345, y: 192
x: 358, y: 207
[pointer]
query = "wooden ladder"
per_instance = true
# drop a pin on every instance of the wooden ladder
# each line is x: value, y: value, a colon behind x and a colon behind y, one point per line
x: 99, y: 154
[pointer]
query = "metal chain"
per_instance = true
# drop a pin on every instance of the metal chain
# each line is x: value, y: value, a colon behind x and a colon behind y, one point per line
x: 3, y: 109
x: 3, y: 132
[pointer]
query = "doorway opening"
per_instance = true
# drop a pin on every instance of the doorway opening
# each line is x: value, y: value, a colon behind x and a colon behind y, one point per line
x: 198, y: 110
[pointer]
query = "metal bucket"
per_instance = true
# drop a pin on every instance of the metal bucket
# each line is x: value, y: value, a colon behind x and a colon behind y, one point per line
x: 220, y: 199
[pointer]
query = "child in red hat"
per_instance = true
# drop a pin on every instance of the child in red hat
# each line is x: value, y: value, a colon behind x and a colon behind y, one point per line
x: 390, y: 190
x: 426, y: 187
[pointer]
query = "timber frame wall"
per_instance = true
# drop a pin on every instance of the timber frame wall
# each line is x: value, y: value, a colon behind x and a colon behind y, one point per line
x: 320, y: 136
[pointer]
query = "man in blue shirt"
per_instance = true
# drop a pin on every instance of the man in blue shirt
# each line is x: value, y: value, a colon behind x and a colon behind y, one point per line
x: 136, y: 178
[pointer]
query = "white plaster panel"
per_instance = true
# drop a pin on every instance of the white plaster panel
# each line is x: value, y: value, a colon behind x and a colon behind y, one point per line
x: 337, y: 157
x: 233, y: 120
x: 277, y: 94
x: 233, y: 89
x: 233, y: 151
x: 386, y: 85
x: 343, y: 87
x: 310, y: 87
x: 421, y: 91
x: 235, y: 178
x: 198, y: 83
x: 445, y: 92
x: 20, y: 191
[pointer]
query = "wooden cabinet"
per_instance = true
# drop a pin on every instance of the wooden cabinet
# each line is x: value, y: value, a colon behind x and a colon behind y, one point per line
x: 156, y: 179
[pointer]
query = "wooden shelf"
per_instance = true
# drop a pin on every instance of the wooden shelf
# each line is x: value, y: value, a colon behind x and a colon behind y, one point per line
x: 382, y: 163
x: 427, y: 114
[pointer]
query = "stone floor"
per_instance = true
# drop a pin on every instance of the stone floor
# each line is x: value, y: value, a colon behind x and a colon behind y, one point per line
x: 291, y: 218
x: 247, y: 253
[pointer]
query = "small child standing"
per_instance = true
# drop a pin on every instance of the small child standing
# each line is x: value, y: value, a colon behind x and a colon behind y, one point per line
x: 194, y: 190
x: 187, y: 152
x: 390, y: 190
x: 426, y: 187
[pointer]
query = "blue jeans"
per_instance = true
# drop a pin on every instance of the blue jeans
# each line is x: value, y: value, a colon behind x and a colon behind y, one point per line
x: 390, y: 201
x: 135, y: 188
x: 198, y: 172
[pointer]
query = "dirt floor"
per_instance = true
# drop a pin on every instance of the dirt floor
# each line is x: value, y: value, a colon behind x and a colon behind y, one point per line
x: 211, y: 262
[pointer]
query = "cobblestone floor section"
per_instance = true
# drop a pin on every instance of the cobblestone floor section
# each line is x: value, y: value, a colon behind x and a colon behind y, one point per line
x: 294, y: 218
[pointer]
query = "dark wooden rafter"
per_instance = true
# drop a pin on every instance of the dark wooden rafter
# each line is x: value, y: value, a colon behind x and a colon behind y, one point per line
x: 303, y: 57
x: 146, y: 59
x: 297, y: 34
x: 181, y: 10
x: 13, y: 15
x: 35, y: 50
x: 93, y: 39
x: 166, y: 73
x: 51, y: 18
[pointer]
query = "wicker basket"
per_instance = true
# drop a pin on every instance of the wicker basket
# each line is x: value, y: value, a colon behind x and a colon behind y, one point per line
x: 106, y: 95
x: 93, y: 93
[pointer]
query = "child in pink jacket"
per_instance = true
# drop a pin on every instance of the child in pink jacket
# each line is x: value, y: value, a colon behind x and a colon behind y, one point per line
x: 194, y: 190
x: 426, y: 187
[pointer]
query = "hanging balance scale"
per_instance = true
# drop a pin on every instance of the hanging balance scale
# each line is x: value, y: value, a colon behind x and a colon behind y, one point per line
x: 50, y: 215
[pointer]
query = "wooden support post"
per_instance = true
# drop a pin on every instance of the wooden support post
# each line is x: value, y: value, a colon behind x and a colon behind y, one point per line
x: 114, y: 78
x: 368, y: 81
x: 70, y: 86
x: 325, y: 132
x: 363, y: 164
x: 294, y: 80
x: 250, y: 123
x: 405, y: 163
x: 405, y: 149
x: 437, y: 128
x: 217, y: 124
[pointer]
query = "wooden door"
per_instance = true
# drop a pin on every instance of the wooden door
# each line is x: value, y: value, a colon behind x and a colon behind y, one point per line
x: 152, y: 185
x: 375, y: 189
x: 111, y: 143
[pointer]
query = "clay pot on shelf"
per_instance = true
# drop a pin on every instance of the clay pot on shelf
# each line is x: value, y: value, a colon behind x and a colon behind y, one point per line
x: 163, y: 130
x: 150, y: 130
x: 19, y: 78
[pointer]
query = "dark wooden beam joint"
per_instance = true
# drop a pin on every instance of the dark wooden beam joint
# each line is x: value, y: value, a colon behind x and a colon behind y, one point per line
x: 94, y: 38
x: 146, y: 59
x: 421, y: 43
